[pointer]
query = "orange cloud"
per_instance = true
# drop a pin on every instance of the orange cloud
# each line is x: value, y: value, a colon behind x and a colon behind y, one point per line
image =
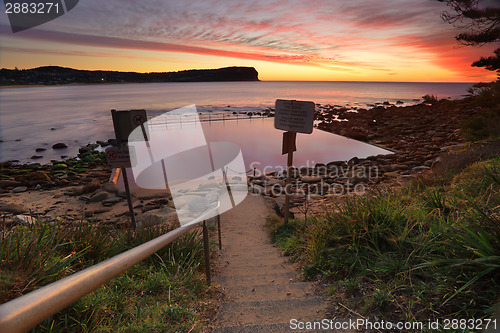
x: 362, y: 38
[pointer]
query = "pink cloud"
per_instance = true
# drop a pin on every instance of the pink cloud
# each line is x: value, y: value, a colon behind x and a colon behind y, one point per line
x: 319, y: 33
x: 122, y: 43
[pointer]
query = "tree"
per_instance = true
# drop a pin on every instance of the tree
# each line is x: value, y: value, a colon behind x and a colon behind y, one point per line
x: 481, y: 20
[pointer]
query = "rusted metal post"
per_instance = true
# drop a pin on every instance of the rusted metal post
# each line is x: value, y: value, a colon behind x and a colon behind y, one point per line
x: 220, y: 236
x: 206, y: 247
x: 253, y: 181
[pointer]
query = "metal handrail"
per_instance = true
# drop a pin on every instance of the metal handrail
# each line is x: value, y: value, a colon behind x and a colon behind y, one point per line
x: 25, y: 312
x: 206, y: 119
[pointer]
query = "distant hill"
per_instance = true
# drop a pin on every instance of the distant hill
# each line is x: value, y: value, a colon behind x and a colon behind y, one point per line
x: 50, y: 75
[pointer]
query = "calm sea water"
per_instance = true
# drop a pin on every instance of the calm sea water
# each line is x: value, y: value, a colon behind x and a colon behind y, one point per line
x: 38, y: 117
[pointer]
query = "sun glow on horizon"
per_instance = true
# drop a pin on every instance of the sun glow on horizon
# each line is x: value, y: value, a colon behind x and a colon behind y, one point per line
x: 284, y: 40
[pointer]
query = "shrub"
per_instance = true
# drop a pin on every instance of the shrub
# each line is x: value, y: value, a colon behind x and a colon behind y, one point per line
x: 430, y: 99
x: 485, y: 94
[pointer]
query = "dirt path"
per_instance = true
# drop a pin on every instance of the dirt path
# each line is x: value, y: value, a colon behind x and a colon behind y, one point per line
x: 264, y: 292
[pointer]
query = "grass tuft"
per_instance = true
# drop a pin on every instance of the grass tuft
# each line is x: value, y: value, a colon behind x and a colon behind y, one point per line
x: 166, y: 292
x: 429, y: 250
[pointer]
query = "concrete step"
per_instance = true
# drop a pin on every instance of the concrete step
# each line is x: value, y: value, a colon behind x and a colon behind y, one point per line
x: 251, y: 240
x: 269, y: 328
x: 250, y: 254
x: 238, y: 261
x: 271, y: 291
x: 232, y: 270
x: 269, y: 312
x: 283, y: 328
x: 257, y: 279
x: 248, y: 245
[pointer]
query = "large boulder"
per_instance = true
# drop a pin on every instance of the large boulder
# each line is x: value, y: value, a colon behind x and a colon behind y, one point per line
x: 111, y: 201
x: 311, y: 179
x: 110, y: 187
x: 99, y: 196
x: 92, y: 186
x: 59, y: 145
x: 198, y: 205
x: 181, y: 201
x: 19, y: 189
x: 37, y: 176
x: 7, y: 183
x: 12, y: 208
x: 157, y: 216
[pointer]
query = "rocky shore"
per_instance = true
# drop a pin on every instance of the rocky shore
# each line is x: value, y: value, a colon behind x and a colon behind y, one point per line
x: 83, y: 187
x: 70, y: 190
x: 417, y: 135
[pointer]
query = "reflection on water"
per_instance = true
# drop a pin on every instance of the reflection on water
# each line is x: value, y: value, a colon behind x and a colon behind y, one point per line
x: 38, y: 117
x: 261, y: 144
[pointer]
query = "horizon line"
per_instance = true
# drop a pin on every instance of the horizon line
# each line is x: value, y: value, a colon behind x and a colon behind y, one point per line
x: 260, y: 80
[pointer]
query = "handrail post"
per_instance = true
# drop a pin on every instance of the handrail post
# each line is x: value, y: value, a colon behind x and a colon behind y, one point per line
x: 253, y: 181
x: 218, y: 227
x: 206, y: 247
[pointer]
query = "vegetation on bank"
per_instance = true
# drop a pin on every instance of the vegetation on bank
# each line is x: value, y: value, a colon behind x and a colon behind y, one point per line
x: 428, y: 250
x: 486, y: 124
x: 166, y: 292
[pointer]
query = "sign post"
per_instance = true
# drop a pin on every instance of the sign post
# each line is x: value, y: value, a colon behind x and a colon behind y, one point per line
x: 293, y: 117
x: 289, y: 147
x: 124, y: 123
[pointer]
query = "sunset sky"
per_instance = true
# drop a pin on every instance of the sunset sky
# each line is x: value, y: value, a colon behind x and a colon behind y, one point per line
x: 351, y: 40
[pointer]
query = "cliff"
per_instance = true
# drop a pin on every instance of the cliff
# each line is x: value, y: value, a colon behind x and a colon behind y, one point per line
x: 50, y: 75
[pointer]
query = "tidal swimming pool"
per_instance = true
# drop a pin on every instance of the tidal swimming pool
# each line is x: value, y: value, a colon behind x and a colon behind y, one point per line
x: 261, y: 144
x: 256, y: 140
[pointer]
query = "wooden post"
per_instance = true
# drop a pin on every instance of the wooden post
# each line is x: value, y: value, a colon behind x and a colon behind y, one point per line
x: 292, y: 116
x: 288, y: 148
x: 124, y: 173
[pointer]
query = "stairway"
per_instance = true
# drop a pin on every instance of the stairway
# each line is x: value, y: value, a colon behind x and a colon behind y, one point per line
x: 264, y: 292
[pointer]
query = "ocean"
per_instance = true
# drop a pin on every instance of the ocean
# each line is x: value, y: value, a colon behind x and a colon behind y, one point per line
x: 38, y: 117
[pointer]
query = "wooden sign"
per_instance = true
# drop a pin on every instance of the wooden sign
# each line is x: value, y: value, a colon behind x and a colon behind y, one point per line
x: 126, y: 121
x: 294, y: 116
x: 120, y: 157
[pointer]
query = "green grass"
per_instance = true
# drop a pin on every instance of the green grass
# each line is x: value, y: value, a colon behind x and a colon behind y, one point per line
x: 428, y: 250
x: 164, y: 293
